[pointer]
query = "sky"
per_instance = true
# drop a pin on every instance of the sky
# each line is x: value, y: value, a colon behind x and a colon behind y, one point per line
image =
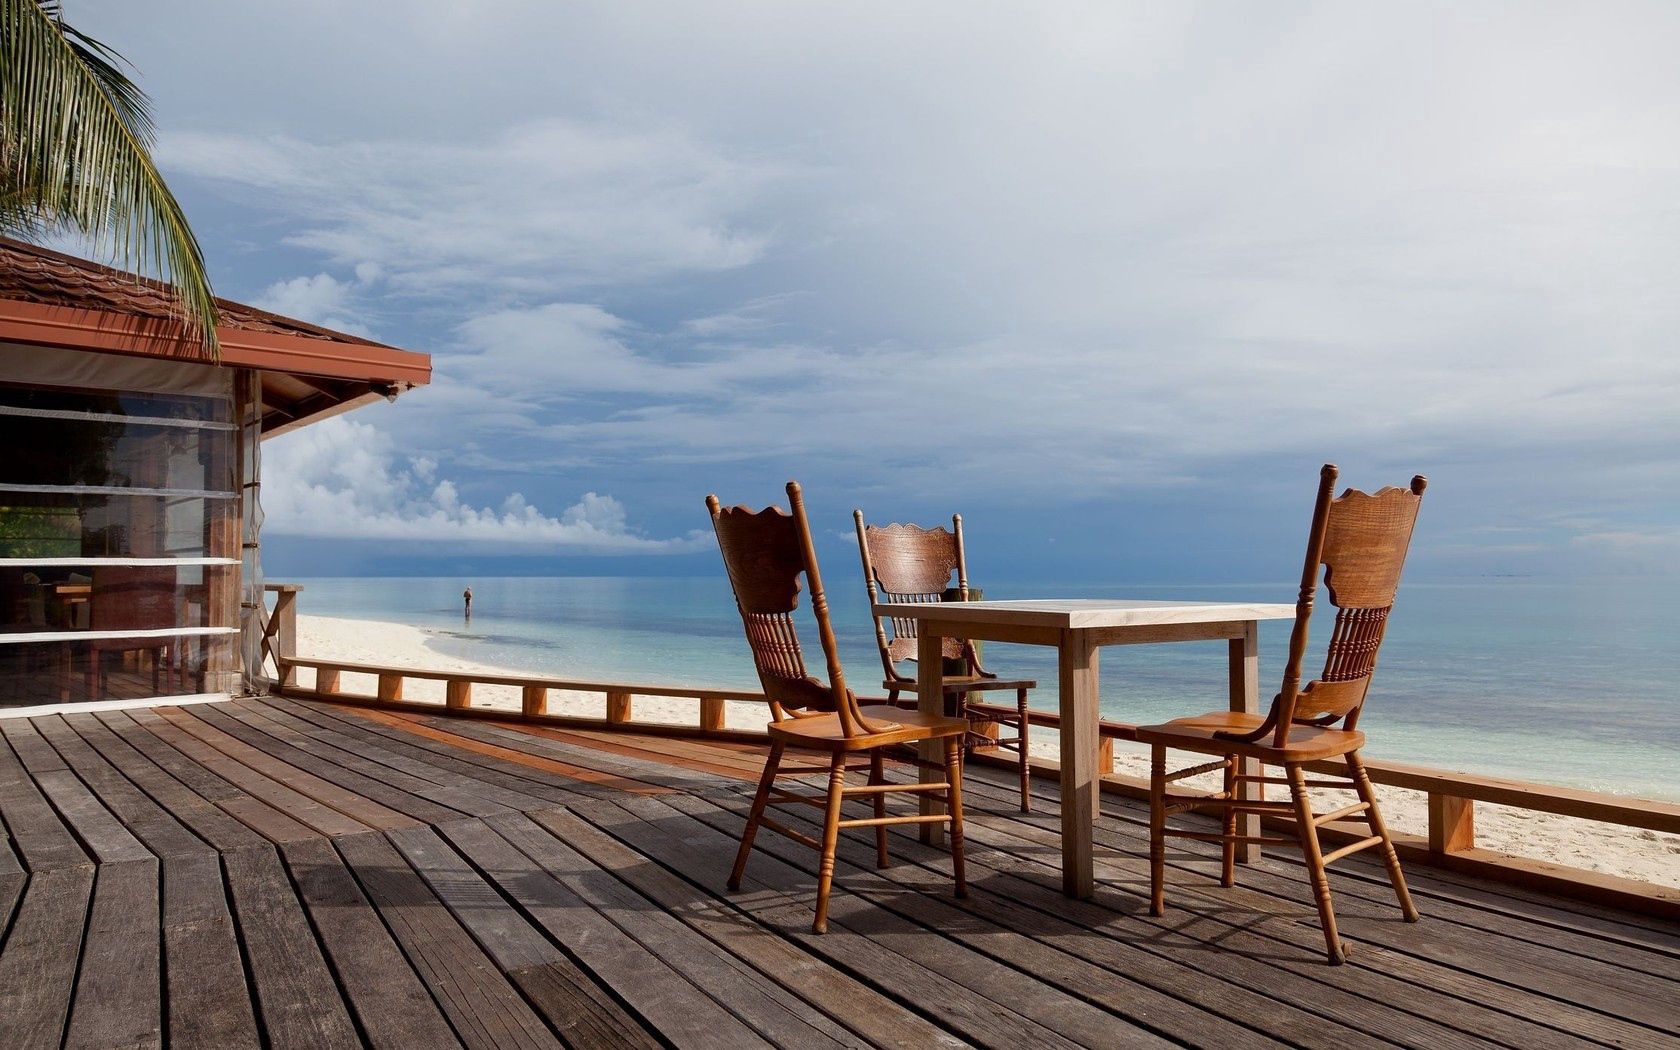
x: 1111, y: 280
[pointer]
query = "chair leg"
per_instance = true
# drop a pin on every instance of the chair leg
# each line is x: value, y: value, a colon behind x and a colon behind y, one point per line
x: 830, y: 839
x: 1157, y: 829
x: 877, y: 777
x: 771, y: 764
x: 953, y: 777
x: 1228, y: 861
x: 1334, y: 949
x: 1026, y: 752
x: 1373, y: 816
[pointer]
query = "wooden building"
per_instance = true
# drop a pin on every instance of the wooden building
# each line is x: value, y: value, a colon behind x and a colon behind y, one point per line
x: 130, y: 511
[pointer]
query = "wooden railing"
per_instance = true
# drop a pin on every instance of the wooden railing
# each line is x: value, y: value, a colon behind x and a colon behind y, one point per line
x: 1450, y: 840
x: 619, y: 697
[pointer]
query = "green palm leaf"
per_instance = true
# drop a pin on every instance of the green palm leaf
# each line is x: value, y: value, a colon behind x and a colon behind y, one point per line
x: 75, y: 151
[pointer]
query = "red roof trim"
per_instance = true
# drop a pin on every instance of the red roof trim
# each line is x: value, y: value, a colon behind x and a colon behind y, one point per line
x: 113, y: 333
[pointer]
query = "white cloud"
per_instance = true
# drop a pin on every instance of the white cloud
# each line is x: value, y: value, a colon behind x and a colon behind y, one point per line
x: 342, y: 478
x: 538, y: 205
x: 320, y: 299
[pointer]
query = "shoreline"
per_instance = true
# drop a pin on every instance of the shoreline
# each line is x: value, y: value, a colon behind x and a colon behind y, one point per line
x: 1647, y: 856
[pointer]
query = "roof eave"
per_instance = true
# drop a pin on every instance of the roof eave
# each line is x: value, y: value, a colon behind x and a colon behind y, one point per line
x: 73, y: 328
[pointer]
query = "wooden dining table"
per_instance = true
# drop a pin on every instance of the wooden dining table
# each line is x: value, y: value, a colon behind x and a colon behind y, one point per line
x: 1078, y: 628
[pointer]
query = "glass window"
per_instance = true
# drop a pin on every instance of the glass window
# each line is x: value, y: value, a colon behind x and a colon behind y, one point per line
x: 119, y: 542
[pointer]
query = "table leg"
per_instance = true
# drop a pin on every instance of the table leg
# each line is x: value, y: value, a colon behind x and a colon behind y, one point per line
x: 1077, y: 661
x: 1245, y: 697
x: 930, y: 699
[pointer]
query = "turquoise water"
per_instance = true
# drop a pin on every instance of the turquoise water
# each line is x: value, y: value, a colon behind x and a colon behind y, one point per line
x: 1567, y: 683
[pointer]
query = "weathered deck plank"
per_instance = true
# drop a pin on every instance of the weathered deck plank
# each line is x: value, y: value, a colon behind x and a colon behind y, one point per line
x: 484, y: 1008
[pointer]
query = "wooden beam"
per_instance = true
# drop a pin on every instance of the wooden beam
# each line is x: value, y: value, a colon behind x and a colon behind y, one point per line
x: 1452, y: 824
x: 711, y: 713
x: 458, y: 694
x: 618, y: 708
x: 533, y: 700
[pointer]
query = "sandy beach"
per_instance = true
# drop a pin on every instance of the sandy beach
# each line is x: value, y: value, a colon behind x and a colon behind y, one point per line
x: 1631, y: 853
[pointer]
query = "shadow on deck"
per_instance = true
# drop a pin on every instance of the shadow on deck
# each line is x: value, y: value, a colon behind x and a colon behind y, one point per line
x: 287, y: 873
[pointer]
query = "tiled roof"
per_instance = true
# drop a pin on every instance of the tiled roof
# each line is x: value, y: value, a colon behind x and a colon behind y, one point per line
x: 32, y: 274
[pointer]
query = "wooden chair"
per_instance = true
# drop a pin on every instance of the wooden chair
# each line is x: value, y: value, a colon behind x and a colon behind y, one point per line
x: 134, y: 598
x: 764, y: 552
x: 907, y: 563
x: 1361, y: 542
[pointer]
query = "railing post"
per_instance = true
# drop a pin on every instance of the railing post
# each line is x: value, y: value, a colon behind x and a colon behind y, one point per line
x: 1452, y: 823
x: 326, y: 680
x: 533, y: 700
x: 284, y: 631
x: 711, y: 714
x: 1105, y: 755
x: 618, y: 707
x: 457, y: 694
x: 390, y: 686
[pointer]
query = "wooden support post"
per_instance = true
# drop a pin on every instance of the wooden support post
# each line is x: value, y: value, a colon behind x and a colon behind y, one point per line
x: 1452, y: 823
x: 930, y: 700
x: 390, y: 686
x: 1244, y: 662
x: 711, y: 713
x: 326, y: 681
x: 1077, y: 677
x: 284, y: 631
x: 457, y: 694
x: 1105, y: 755
x: 533, y: 700
x: 618, y: 707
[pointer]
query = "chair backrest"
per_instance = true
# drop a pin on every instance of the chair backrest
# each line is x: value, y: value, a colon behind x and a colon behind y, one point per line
x: 907, y: 564
x: 132, y: 598
x: 1360, y: 540
x: 764, y: 553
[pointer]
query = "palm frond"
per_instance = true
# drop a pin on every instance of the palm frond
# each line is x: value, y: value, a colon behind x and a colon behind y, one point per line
x: 75, y: 138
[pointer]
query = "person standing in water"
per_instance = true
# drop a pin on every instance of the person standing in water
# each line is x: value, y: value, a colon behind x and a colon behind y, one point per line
x: 466, y: 599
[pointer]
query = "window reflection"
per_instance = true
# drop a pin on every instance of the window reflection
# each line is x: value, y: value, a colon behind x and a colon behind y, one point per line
x: 95, y: 482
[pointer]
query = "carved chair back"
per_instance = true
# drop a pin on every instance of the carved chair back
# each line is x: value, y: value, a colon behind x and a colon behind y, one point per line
x: 910, y: 565
x: 765, y: 552
x: 1360, y: 540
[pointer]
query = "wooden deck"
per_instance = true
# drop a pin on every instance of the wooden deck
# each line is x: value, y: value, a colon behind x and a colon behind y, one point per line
x: 281, y: 873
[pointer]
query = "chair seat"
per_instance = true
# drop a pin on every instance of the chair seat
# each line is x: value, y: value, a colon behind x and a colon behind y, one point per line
x: 968, y: 684
x: 1306, y: 743
x: 823, y: 732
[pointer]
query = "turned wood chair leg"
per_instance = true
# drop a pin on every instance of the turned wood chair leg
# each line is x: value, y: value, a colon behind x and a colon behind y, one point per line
x: 1228, y: 860
x: 830, y: 839
x: 1026, y: 752
x: 764, y: 782
x: 1335, y: 950
x: 1373, y: 817
x: 1157, y: 829
x: 953, y: 777
x: 878, y: 777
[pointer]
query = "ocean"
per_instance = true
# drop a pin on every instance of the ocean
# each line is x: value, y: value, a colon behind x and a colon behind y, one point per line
x: 1568, y: 683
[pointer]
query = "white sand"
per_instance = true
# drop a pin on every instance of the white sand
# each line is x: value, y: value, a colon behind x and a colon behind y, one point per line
x: 1628, y: 852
